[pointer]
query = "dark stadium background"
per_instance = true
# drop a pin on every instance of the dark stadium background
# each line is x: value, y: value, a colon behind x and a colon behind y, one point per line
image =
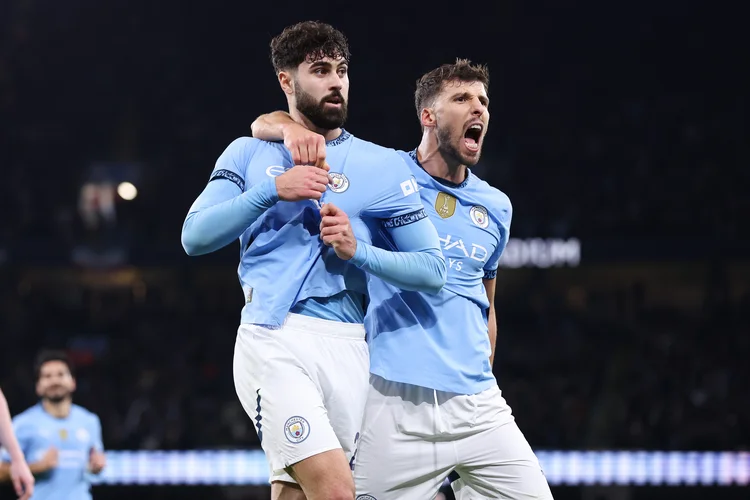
x: 619, y: 126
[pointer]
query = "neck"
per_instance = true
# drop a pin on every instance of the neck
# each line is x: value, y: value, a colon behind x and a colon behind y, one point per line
x: 305, y: 122
x: 435, y: 162
x: 57, y: 410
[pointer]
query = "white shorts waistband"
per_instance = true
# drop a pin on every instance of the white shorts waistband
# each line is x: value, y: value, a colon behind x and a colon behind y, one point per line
x: 318, y: 326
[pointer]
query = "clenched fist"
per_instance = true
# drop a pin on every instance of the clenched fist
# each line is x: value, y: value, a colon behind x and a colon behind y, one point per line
x: 306, y: 146
x: 336, y: 231
x: 49, y: 460
x: 97, y: 461
x: 302, y: 183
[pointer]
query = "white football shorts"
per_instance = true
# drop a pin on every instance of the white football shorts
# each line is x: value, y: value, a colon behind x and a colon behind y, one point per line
x: 304, y: 385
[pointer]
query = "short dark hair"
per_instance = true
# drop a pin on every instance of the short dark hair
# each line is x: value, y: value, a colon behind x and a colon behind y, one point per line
x: 307, y: 41
x: 431, y: 83
x: 51, y: 355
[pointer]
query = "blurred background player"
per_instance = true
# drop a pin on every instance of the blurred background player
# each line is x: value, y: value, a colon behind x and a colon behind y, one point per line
x: 20, y: 475
x: 434, y: 405
x: 301, y: 360
x: 61, y: 441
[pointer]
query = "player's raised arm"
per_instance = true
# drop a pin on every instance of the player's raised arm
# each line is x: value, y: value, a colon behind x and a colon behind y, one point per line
x: 307, y: 147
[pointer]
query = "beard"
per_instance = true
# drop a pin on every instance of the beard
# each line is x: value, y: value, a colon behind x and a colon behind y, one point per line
x: 449, y: 148
x: 315, y: 111
x: 58, y: 397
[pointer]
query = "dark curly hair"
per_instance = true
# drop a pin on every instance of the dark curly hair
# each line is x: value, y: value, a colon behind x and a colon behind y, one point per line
x: 307, y: 41
x: 431, y: 83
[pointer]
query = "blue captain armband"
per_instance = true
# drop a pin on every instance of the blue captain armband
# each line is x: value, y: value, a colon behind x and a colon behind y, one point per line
x: 405, y: 220
x: 490, y: 275
x: 230, y: 176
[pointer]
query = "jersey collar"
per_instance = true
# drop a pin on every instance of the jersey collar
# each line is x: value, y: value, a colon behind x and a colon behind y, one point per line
x: 413, y: 155
x: 340, y: 139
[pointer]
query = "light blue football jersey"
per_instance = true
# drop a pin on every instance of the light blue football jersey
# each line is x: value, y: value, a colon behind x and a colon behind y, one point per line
x: 284, y: 264
x: 440, y: 341
x: 74, y: 437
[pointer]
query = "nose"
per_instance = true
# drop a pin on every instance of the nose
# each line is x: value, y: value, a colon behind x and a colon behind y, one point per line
x: 336, y: 82
x: 477, y: 108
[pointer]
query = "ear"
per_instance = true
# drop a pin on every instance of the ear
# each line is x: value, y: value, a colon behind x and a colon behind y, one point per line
x: 427, y: 117
x: 286, y: 81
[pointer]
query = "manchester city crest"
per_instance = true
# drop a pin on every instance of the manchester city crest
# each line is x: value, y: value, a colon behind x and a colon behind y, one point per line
x: 296, y: 429
x: 83, y: 435
x: 479, y: 216
x: 338, y: 183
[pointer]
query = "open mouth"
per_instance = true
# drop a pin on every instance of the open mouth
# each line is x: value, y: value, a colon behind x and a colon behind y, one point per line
x: 472, y: 136
x: 335, y: 101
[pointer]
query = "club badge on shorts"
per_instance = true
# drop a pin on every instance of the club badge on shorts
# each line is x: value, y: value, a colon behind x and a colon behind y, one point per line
x: 296, y: 429
x: 366, y: 497
x: 339, y: 183
x: 479, y: 216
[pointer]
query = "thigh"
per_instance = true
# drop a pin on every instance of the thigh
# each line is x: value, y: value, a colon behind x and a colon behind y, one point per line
x: 393, y: 464
x: 497, y: 461
x: 284, y: 490
x: 283, y: 401
x: 324, y: 476
x: 344, y: 375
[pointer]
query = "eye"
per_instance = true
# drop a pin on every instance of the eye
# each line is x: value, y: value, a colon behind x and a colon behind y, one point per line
x: 343, y: 71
